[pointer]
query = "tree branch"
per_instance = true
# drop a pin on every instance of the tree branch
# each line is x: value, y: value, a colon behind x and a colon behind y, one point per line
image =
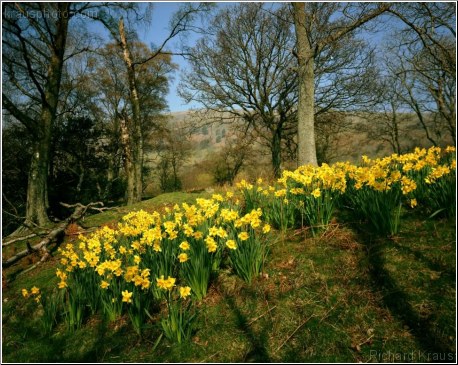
x: 383, y: 7
x: 19, y: 115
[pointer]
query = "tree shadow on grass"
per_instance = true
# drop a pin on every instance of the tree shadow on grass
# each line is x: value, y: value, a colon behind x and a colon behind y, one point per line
x: 432, y: 264
x: 397, y: 301
x: 258, y: 352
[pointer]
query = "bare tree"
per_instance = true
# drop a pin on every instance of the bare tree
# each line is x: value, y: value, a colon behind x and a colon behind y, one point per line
x: 430, y: 26
x: 110, y: 80
x: 172, y: 149
x: 34, y: 45
x: 245, y: 67
x: 234, y: 155
x: 423, y: 62
x: 131, y: 135
x: 318, y: 26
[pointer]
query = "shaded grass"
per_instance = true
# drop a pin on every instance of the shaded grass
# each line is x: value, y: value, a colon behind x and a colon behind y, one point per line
x: 342, y: 297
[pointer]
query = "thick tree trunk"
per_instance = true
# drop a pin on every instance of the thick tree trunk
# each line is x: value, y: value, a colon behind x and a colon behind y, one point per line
x: 37, y: 192
x: 305, y: 109
x: 135, y: 165
x: 37, y: 188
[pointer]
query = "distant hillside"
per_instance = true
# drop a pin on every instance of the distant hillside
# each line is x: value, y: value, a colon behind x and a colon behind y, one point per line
x: 356, y: 136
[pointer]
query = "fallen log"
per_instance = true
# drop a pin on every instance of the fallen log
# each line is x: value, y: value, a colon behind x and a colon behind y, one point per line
x: 22, y: 238
x: 79, y: 212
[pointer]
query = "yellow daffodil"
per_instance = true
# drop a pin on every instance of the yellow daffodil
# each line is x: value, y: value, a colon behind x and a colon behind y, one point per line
x: 266, y: 228
x: 126, y: 296
x: 182, y: 257
x: 184, y: 246
x: 316, y: 193
x: 243, y: 236
x: 185, y: 291
x: 166, y: 284
x: 231, y: 244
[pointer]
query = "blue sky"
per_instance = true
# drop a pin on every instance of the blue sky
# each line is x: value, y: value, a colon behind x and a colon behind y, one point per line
x: 155, y: 34
x: 159, y: 30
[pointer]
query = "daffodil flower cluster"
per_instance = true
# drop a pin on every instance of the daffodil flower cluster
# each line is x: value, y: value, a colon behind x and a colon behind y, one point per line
x: 129, y: 265
x: 310, y: 193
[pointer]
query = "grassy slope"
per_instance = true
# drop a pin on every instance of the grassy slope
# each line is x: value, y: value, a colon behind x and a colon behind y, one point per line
x: 342, y: 297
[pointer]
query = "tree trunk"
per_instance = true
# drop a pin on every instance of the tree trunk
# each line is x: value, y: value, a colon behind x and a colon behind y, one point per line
x: 276, y: 152
x: 134, y: 170
x: 395, y: 122
x: 305, y: 109
x: 37, y: 188
x: 37, y: 197
x: 128, y: 161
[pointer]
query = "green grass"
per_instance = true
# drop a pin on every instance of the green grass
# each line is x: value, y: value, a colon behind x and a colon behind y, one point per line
x: 342, y: 297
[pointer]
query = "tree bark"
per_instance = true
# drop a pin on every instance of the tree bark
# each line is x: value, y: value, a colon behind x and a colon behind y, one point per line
x: 276, y: 152
x: 306, y: 77
x: 37, y: 188
x: 41, y: 246
x: 306, y: 53
x: 135, y: 141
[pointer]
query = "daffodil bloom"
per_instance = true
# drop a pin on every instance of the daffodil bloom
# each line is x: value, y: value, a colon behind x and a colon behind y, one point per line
x: 34, y: 290
x: 166, y: 284
x: 316, y: 193
x: 138, y: 280
x: 62, y: 284
x: 173, y: 235
x: 104, y: 284
x: 126, y: 296
x: 198, y: 235
x: 183, y: 257
x: 184, y: 246
x: 213, y: 231
x: 413, y: 203
x: 170, y: 282
x: 280, y: 193
x: 145, y: 283
x: 266, y: 228
x: 218, y: 197
x: 243, y: 236
x: 185, y: 291
x: 211, y: 244
x: 231, y: 244
x: 25, y: 293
